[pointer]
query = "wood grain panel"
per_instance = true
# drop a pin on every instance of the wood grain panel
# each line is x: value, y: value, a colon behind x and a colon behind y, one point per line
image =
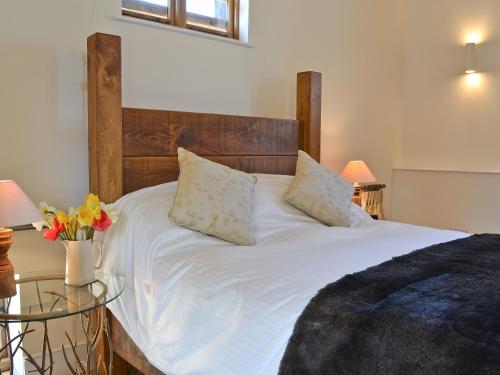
x: 141, y: 172
x: 149, y: 132
x: 105, y: 116
x: 309, y: 112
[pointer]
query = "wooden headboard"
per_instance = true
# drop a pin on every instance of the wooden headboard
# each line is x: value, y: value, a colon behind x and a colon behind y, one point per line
x: 131, y: 148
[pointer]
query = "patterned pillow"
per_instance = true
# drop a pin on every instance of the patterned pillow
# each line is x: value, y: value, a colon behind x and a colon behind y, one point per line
x: 320, y: 193
x: 214, y: 199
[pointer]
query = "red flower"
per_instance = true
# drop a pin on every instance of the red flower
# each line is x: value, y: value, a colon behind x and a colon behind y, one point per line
x: 52, y: 233
x: 103, y: 223
x: 58, y: 226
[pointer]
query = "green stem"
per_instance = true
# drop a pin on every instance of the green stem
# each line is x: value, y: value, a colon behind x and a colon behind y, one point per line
x: 76, y: 231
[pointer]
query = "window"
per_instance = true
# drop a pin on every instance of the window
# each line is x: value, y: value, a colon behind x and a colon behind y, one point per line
x: 154, y: 10
x: 219, y: 17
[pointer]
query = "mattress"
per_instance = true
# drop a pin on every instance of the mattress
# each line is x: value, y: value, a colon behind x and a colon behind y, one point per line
x: 195, y: 304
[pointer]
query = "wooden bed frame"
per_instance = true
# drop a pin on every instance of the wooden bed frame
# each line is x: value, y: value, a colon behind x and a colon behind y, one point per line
x: 132, y: 148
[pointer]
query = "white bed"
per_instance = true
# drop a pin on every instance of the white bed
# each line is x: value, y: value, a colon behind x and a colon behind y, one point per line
x: 198, y: 305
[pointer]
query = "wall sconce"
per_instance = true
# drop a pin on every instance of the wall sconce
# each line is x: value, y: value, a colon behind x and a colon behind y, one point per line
x: 470, y: 58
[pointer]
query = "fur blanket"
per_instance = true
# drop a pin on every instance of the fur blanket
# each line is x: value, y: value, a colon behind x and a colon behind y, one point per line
x: 433, y: 311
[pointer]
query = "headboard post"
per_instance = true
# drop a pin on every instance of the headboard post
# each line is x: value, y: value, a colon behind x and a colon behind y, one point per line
x: 105, y: 116
x: 309, y: 112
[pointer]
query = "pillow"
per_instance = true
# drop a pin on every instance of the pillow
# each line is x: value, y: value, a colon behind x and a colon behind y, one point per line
x: 214, y: 199
x: 271, y: 208
x: 320, y: 193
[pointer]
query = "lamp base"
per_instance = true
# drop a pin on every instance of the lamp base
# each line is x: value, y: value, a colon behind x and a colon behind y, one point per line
x: 7, y: 281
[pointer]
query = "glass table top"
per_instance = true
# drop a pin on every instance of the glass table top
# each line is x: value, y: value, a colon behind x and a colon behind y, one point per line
x: 44, y: 295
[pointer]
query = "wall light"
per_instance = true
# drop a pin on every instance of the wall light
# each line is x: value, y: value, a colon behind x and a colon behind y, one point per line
x: 470, y: 58
x: 474, y: 37
x: 473, y: 80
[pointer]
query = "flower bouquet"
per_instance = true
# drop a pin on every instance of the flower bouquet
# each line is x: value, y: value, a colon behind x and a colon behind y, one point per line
x: 77, y: 224
x: 75, y: 229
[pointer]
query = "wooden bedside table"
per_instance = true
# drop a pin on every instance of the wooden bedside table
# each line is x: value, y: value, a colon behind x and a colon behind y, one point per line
x: 370, y: 199
x: 356, y: 199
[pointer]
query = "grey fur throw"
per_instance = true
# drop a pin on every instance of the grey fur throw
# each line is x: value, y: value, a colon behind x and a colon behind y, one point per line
x: 433, y: 311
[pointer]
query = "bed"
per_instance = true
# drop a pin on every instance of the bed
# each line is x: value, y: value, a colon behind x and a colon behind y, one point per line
x: 133, y: 148
x: 194, y: 304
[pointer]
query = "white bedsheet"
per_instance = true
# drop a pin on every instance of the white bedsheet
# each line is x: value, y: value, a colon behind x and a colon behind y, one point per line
x: 198, y: 305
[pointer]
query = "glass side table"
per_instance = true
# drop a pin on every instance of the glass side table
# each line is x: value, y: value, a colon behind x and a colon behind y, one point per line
x: 43, y: 296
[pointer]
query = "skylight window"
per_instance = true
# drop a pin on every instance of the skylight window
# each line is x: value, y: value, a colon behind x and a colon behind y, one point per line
x: 219, y: 17
x: 208, y: 14
x: 154, y: 10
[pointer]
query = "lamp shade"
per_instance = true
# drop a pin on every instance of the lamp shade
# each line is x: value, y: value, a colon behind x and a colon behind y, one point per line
x: 15, y: 207
x: 357, y: 171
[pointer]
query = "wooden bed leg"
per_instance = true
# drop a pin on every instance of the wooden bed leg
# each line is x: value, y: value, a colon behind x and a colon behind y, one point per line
x: 309, y: 113
x: 120, y: 366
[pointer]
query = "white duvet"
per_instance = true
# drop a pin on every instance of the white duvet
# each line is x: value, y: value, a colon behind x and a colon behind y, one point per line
x: 198, y: 305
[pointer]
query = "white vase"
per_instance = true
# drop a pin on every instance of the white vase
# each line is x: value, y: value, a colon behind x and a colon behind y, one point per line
x: 79, y: 262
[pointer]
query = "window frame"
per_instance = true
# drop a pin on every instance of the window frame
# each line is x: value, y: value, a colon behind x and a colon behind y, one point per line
x: 177, y: 16
x: 151, y: 17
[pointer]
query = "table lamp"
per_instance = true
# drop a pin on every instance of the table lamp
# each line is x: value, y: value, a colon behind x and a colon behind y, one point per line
x: 15, y: 209
x: 357, y: 172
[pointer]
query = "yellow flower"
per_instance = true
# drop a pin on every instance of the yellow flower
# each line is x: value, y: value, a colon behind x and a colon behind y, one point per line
x: 85, y: 216
x: 92, y: 205
x: 62, y: 218
x: 72, y: 218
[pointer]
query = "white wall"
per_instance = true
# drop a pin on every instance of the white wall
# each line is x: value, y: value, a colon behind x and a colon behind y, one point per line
x: 450, y: 121
x: 462, y: 201
x: 356, y: 44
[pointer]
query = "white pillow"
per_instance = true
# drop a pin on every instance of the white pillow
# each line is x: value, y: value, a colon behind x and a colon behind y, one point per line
x: 271, y: 208
x: 320, y: 192
x: 214, y: 199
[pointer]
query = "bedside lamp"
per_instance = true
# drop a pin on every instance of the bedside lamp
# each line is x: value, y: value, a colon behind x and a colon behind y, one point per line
x: 15, y: 209
x: 357, y: 172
